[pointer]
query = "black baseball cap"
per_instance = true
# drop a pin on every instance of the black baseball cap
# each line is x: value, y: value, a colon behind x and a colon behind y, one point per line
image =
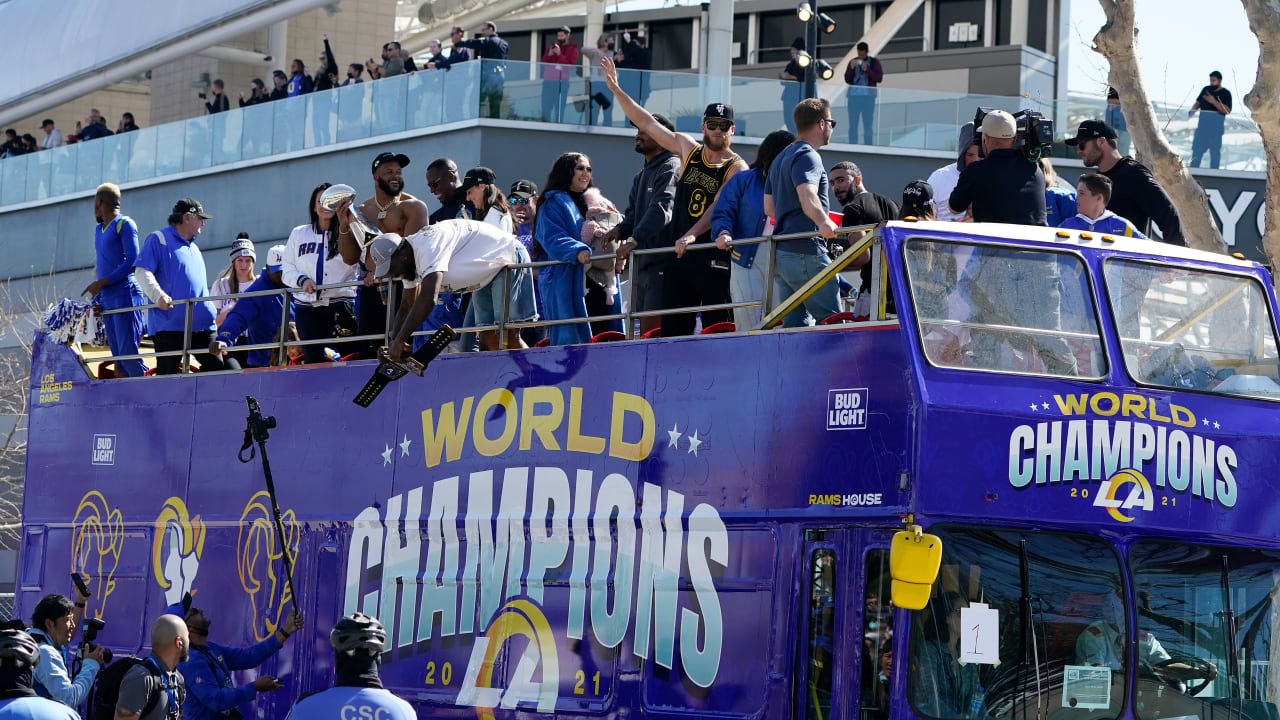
x: 917, y: 192
x: 189, y: 206
x: 477, y: 176
x: 400, y: 159
x: 1090, y: 129
x: 663, y: 120
x: 718, y: 111
x: 523, y: 188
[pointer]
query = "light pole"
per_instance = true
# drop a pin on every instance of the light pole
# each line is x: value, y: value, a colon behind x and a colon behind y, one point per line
x: 814, y: 67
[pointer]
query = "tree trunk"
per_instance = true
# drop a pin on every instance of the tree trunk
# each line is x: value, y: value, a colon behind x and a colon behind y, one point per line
x: 1264, y: 102
x: 1116, y: 42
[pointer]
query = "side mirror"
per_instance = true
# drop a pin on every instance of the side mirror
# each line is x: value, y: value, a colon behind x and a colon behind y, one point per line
x: 914, y: 560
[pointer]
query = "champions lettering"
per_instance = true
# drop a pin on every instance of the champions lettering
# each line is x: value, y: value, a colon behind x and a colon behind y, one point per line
x: 1093, y: 450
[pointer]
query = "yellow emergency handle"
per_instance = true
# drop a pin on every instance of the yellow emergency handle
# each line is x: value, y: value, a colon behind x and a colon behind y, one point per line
x: 914, y: 560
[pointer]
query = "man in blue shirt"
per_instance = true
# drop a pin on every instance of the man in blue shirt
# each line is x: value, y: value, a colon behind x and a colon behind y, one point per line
x: 795, y: 196
x: 358, y: 641
x: 258, y: 314
x: 116, y: 245
x: 170, y: 267
x: 211, y: 691
x: 19, y: 654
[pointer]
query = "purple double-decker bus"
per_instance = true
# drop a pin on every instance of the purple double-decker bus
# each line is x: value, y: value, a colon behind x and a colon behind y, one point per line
x: 700, y: 527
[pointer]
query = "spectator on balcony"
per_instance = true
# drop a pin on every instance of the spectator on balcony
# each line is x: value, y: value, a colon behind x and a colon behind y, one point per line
x: 312, y: 259
x: 559, y: 65
x: 29, y: 144
x: 52, y: 136
x: 1114, y: 116
x: 392, y: 63
x: 458, y: 50
x: 863, y: 74
x: 95, y: 126
x: 354, y: 72
x: 116, y: 249
x: 257, y: 93
x: 257, y: 318
x: 489, y: 46
x: 281, y: 89
x: 326, y: 77
x: 127, y: 124
x: 634, y: 61
x: 170, y: 267
x: 436, y: 59
x: 792, y: 77
x: 219, y: 102
x: 299, y: 80
x: 1214, y: 105
x: 601, y: 98
x: 558, y: 230
x: 11, y: 143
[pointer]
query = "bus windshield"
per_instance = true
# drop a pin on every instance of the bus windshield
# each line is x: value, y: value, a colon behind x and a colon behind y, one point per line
x: 1211, y: 609
x: 1008, y: 309
x: 1194, y: 329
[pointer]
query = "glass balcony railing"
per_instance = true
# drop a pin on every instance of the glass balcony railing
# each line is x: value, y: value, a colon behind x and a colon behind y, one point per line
x: 903, y: 119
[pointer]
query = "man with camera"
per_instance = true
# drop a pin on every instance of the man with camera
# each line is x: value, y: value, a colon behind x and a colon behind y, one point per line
x: 1005, y: 187
x: 54, y: 623
x: 211, y: 693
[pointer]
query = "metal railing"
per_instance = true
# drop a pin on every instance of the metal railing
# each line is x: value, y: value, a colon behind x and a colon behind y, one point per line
x: 628, y: 316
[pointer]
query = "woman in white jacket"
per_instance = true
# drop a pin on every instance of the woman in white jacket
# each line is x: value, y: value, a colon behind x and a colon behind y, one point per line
x: 311, y: 261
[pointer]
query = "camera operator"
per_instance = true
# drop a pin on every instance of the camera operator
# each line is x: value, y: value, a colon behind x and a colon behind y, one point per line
x: 1005, y: 187
x: 53, y: 624
x: 211, y: 692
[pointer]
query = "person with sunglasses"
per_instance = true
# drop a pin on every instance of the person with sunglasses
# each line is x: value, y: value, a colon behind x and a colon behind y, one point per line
x: 702, y: 278
x: 157, y: 675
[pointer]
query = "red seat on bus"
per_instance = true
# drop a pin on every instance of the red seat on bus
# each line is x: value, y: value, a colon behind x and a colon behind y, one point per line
x: 651, y: 334
x: 720, y: 327
x: 840, y: 317
x: 543, y: 342
x: 608, y: 336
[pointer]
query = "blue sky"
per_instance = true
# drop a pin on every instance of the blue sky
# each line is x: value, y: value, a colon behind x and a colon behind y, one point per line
x: 1180, y: 42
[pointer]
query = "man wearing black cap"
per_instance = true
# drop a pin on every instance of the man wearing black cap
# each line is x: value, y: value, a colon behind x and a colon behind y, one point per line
x: 1215, y: 106
x: 702, y: 278
x: 391, y: 209
x: 649, y: 210
x: 1135, y: 194
x: 170, y: 267
x: 559, y: 63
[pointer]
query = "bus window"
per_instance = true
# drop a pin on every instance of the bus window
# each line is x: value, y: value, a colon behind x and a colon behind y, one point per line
x: 1199, y: 609
x: 822, y: 621
x: 877, y: 637
x: 1189, y: 328
x: 1044, y: 629
x: 1005, y: 309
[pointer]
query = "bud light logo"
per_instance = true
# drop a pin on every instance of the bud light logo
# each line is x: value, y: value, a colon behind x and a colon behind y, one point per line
x: 847, y: 409
x: 104, y: 449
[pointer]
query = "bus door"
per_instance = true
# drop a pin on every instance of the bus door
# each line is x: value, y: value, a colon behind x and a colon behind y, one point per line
x: 845, y: 626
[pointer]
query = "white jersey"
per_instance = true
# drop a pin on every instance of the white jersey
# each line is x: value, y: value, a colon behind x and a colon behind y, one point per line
x: 302, y: 255
x: 469, y: 253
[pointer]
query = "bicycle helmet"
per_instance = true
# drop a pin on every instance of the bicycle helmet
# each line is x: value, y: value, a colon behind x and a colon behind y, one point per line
x: 358, y: 632
x: 18, y: 646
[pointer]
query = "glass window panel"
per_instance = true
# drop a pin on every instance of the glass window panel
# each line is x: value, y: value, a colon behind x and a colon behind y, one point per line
x: 910, y: 37
x: 833, y: 46
x: 461, y: 86
x: 63, y: 169
x: 256, y: 135
x: 671, y: 44
x: 354, y: 111
x: 1006, y: 309
x: 116, y: 151
x: 1190, y: 328
x: 13, y: 189
x: 228, y: 134
x: 1048, y: 628
x: 822, y: 634
x: 288, y: 123
x: 877, y: 637
x: 89, y: 165
x: 199, y: 143
x: 142, y: 158
x: 322, y: 119
x: 1204, y: 617
x: 39, y: 169
x: 949, y: 12
x: 777, y: 30
x: 389, y: 105
x: 170, y: 140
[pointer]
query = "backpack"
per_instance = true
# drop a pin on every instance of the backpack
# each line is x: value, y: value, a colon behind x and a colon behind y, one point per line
x: 106, y: 689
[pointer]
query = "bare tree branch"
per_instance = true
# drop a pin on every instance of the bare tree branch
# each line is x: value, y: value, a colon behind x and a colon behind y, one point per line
x: 1116, y: 42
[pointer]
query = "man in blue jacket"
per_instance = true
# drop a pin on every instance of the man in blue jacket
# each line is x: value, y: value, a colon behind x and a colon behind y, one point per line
x: 116, y: 245
x: 258, y: 314
x: 211, y: 692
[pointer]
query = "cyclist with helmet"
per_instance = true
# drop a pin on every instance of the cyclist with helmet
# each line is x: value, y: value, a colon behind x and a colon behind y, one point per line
x: 358, y: 641
x: 19, y: 654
